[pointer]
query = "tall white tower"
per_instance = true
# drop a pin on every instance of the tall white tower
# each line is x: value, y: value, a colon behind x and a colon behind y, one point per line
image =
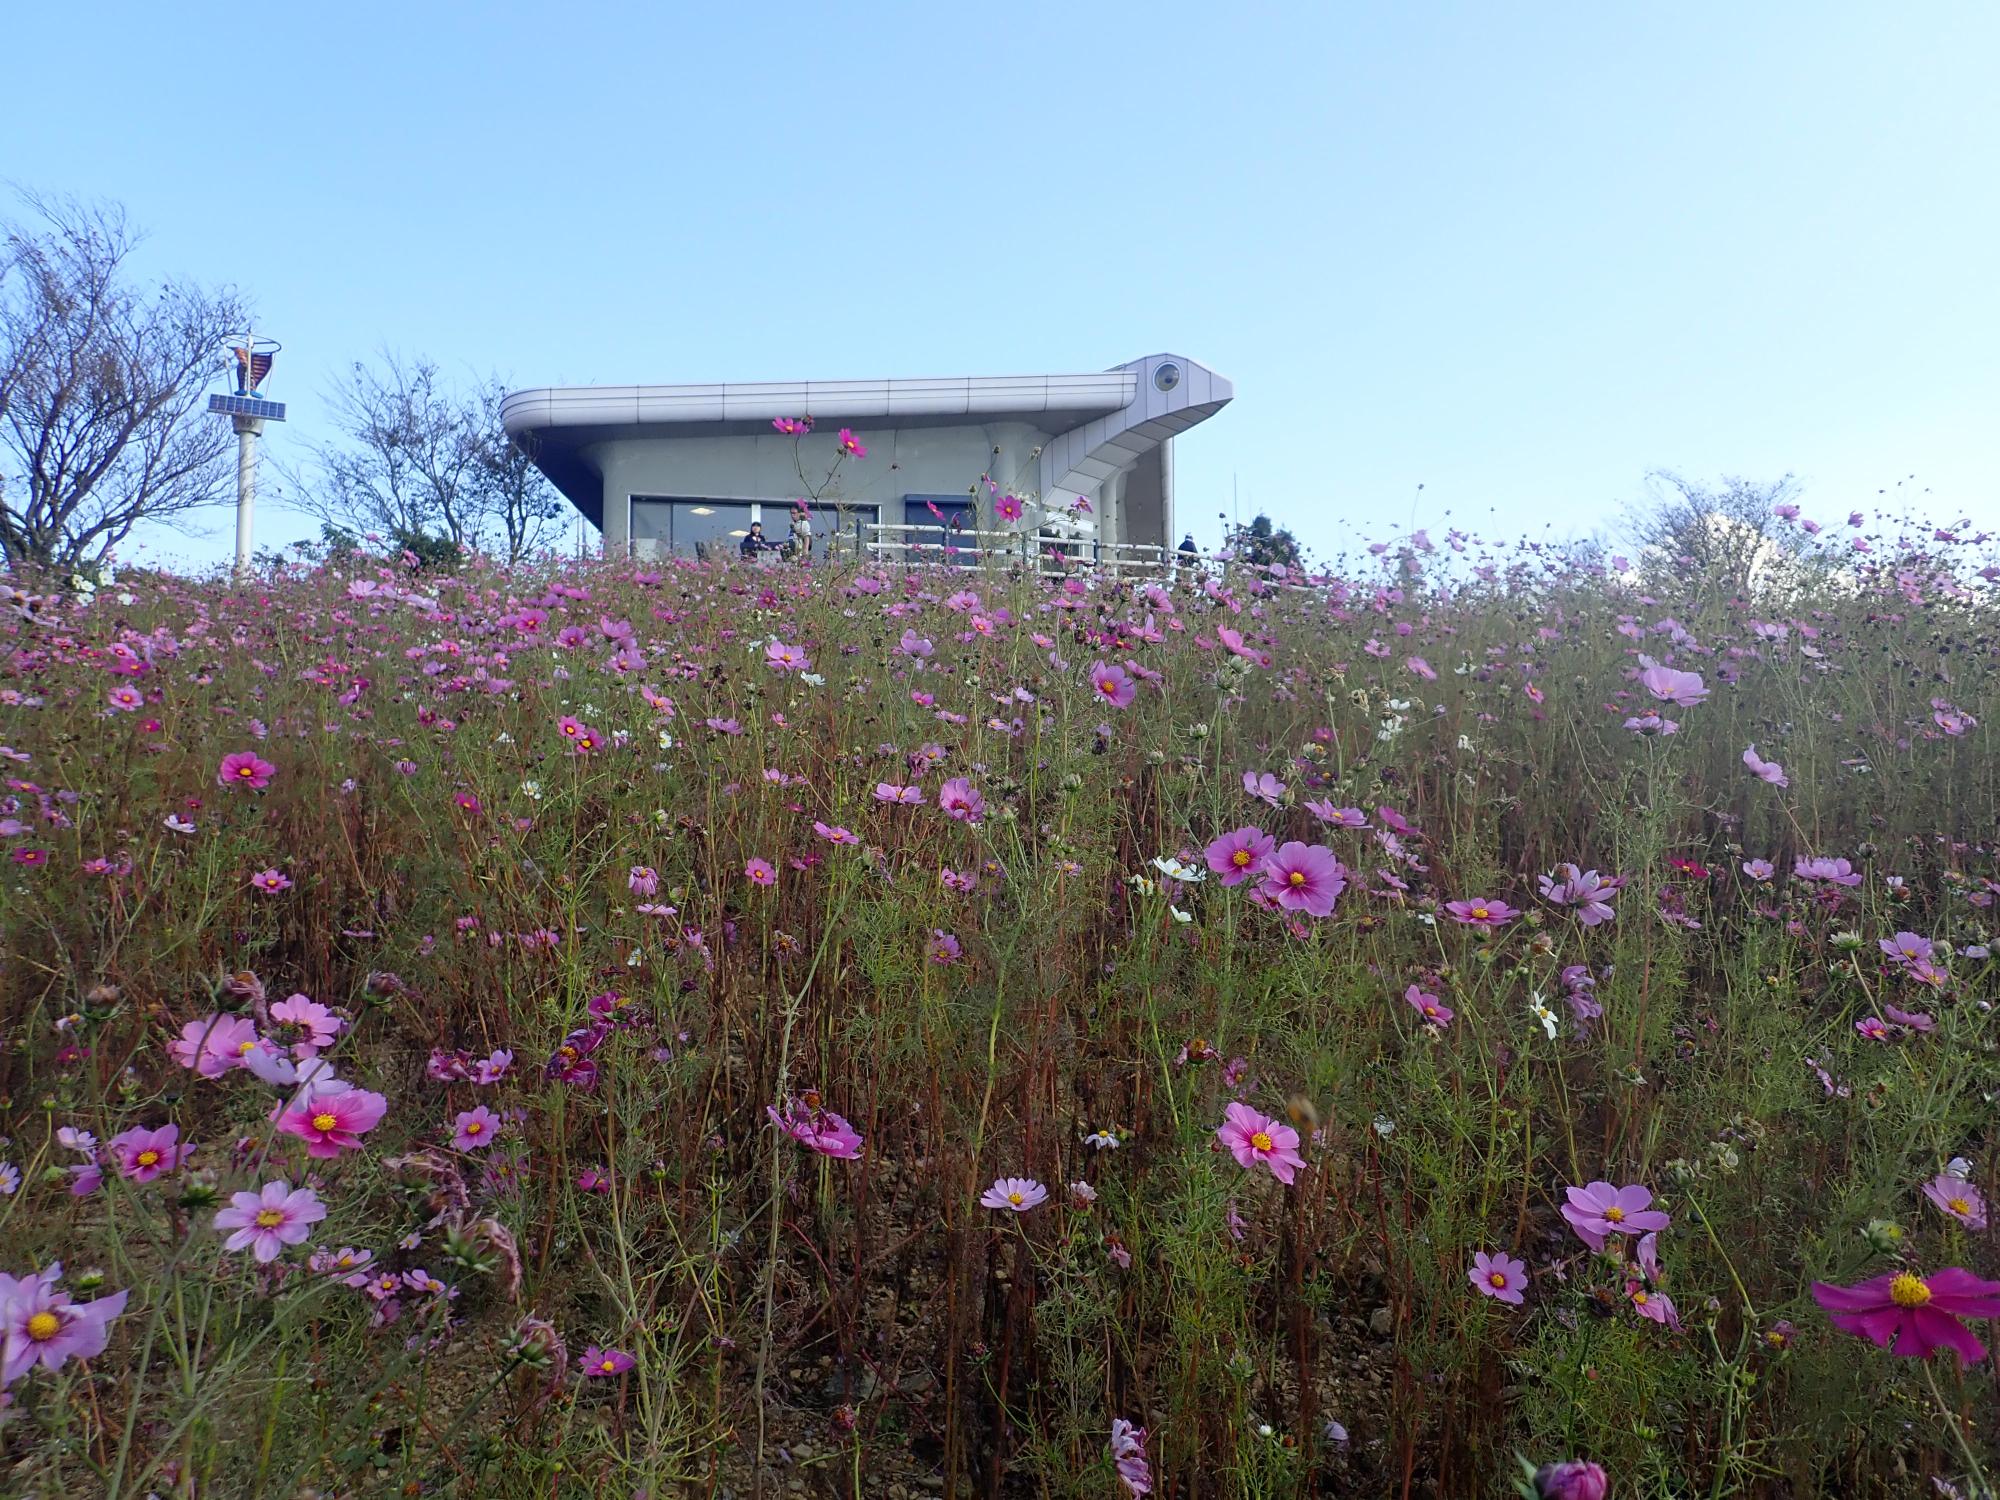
x: 248, y: 411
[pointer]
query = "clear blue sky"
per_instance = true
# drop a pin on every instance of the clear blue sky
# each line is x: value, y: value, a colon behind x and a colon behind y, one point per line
x: 1519, y: 255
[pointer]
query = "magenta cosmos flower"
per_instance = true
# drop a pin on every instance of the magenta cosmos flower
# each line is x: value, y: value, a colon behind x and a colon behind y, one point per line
x: 1954, y: 1195
x: 270, y: 882
x: 41, y: 1326
x: 1682, y: 689
x: 143, y: 1155
x: 1258, y: 1141
x: 475, y: 1128
x: 1576, y: 1480
x: 818, y: 1130
x: 1239, y: 855
x: 600, y: 1364
x: 1499, y: 1275
x: 1304, y: 877
x: 243, y: 768
x: 1601, y: 1209
x: 1912, y: 1315
x: 759, y: 872
x: 1480, y: 912
x: 269, y: 1219
x: 1429, y: 1006
x: 1112, y: 684
x: 1014, y: 1194
x: 333, y: 1123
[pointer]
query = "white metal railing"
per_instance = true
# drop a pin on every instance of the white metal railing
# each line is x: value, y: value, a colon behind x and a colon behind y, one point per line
x: 1050, y: 554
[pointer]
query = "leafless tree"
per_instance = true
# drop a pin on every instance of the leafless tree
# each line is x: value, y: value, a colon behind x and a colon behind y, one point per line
x: 101, y: 385
x: 1727, y: 536
x: 418, y: 460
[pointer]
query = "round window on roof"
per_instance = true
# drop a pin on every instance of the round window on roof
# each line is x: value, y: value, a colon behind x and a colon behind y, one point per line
x: 1167, y: 376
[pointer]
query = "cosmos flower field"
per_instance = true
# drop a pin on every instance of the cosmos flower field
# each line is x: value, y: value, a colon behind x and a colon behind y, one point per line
x: 1470, y: 1019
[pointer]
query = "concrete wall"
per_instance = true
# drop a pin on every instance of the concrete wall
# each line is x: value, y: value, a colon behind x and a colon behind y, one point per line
x: 926, y: 460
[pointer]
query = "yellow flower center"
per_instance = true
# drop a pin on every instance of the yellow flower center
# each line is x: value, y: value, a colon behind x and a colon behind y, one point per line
x: 609, y: 1366
x: 1297, y: 877
x: 1497, y: 1278
x: 1240, y: 858
x: 1959, y: 1206
x: 269, y: 1218
x: 244, y: 1049
x: 1615, y: 1214
x: 1640, y: 1299
x: 1108, y: 687
x: 1909, y: 1291
x: 324, y: 1121
x: 1015, y: 1198
x: 1479, y: 911
x: 148, y: 1158
x: 44, y: 1326
x: 1430, y: 1010
x: 1261, y: 1141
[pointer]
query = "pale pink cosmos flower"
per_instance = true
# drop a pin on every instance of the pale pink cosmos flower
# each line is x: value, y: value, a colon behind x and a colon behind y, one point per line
x: 40, y: 1325
x: 1649, y: 1303
x: 270, y: 882
x: 1956, y: 1197
x: 1600, y: 1209
x: 643, y: 880
x: 899, y: 796
x: 214, y: 1044
x: 961, y: 800
x: 1264, y: 787
x: 1259, y: 1141
x: 1499, y: 1275
x: 266, y: 1221
x: 1128, y: 1456
x: 1014, y: 1194
x: 1682, y: 689
x: 760, y: 872
x: 1481, y: 912
x: 1765, y: 770
x: 1113, y: 684
x: 474, y: 1129
x: 783, y: 658
x: 312, y: 1026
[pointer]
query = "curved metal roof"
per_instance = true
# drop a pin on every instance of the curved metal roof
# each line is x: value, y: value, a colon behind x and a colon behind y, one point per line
x: 1098, y: 421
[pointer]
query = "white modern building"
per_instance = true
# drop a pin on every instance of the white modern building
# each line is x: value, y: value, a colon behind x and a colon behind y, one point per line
x: 687, y: 468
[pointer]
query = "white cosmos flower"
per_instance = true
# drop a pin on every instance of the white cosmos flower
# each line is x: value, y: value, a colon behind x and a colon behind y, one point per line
x: 1173, y: 869
x: 1179, y: 915
x: 1539, y: 1009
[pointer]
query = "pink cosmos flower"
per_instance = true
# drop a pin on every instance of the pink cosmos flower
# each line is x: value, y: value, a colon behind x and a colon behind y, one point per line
x: 760, y: 872
x: 1601, y: 1209
x: 269, y: 1219
x: 41, y: 1326
x: 599, y: 1364
x: 818, y: 1130
x: 143, y: 1155
x: 1874, y: 1028
x: 1499, y: 1275
x: 1014, y: 1194
x: 1008, y: 508
x: 783, y: 658
x: 1259, y: 1141
x: 214, y: 1044
x: 1239, y: 855
x: 332, y: 1123
x: 961, y: 800
x: 1764, y: 770
x: 1906, y: 947
x: 834, y: 834
x: 1576, y: 1480
x: 474, y: 1129
x: 1264, y: 787
x: 243, y: 768
x: 1429, y: 1006
x: 270, y: 882
x: 1759, y: 870
x: 850, y: 445
x: 643, y: 880
x: 1304, y: 877
x: 1113, y: 684
x: 1833, y: 871
x: 1954, y: 1195
x: 1649, y: 1303
x: 1586, y: 890
x: 310, y: 1025
x: 899, y: 796
x: 1480, y: 912
x: 1682, y: 689
x: 1128, y: 1456
x: 1912, y: 1315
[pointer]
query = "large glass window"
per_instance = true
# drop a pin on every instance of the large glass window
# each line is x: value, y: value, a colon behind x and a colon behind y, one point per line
x: 943, y: 526
x: 699, y: 528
